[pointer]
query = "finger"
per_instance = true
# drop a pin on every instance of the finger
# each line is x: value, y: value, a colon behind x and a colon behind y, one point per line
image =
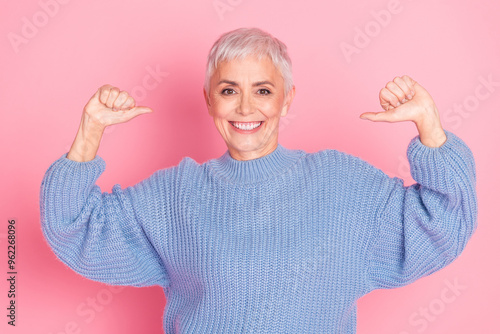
x: 387, y: 99
x: 410, y: 83
x: 129, y: 103
x: 104, y: 93
x: 113, y: 94
x: 404, y: 87
x: 396, y: 90
x: 120, y: 100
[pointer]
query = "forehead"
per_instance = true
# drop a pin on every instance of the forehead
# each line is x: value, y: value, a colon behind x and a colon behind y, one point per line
x: 248, y: 68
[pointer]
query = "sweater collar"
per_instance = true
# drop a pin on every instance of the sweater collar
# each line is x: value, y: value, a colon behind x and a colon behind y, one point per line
x: 260, y: 169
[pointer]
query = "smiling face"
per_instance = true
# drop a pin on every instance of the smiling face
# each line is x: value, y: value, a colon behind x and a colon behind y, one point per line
x: 246, y: 101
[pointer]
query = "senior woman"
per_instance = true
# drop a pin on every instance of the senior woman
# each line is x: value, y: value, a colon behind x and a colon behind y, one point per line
x: 263, y: 239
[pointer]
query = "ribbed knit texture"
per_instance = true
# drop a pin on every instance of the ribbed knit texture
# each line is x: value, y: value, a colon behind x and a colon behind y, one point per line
x: 285, y: 243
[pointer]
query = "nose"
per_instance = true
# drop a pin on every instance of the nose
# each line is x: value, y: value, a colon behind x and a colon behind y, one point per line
x: 246, y: 105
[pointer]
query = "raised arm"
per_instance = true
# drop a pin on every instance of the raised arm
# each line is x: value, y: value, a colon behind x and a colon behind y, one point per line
x: 108, y: 106
x: 404, y: 99
x: 421, y: 228
x: 102, y: 236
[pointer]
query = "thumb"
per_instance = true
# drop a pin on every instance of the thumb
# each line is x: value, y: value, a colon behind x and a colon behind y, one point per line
x: 141, y: 110
x: 136, y: 111
x: 375, y: 116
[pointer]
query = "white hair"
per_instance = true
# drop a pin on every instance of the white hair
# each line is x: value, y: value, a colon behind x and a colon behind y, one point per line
x: 243, y: 42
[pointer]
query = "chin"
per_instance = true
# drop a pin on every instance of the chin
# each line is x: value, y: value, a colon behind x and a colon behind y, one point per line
x: 246, y: 148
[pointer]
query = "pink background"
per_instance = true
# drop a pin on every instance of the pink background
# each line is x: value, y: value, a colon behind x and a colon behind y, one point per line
x: 56, y: 54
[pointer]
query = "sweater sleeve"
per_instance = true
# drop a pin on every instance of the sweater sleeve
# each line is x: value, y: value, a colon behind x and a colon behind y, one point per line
x: 99, y: 235
x: 424, y: 227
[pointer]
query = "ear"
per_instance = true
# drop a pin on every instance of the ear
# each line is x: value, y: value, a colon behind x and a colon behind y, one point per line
x: 288, y: 101
x: 207, y: 101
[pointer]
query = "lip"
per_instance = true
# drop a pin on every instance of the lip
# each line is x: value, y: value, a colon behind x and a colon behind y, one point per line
x: 246, y: 131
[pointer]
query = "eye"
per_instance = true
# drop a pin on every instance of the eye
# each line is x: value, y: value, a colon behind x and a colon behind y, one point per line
x: 263, y: 91
x: 228, y: 91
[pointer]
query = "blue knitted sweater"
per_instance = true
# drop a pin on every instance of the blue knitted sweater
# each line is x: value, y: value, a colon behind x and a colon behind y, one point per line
x: 285, y: 243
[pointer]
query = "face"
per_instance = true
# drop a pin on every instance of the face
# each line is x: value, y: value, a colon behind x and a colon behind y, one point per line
x: 246, y: 101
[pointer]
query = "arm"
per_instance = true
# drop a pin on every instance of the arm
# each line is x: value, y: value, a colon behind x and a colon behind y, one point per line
x: 424, y: 227
x: 108, y: 106
x: 404, y: 99
x: 101, y: 236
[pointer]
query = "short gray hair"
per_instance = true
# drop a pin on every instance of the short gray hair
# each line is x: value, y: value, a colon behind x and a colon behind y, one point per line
x: 243, y: 42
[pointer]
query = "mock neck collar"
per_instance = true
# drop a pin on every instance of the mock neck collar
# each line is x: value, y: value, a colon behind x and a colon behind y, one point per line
x: 255, y: 170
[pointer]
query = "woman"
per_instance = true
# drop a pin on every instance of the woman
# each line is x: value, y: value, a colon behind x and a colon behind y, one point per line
x: 263, y: 239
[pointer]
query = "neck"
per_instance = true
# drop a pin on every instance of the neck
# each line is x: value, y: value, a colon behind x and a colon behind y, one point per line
x: 251, y: 155
x: 255, y: 170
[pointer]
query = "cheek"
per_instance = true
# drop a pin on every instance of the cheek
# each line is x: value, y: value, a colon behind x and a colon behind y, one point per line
x: 220, y: 109
x: 221, y: 124
x: 272, y: 109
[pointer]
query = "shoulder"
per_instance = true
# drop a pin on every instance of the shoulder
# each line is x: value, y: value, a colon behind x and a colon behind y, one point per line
x: 341, y: 162
x: 185, y: 168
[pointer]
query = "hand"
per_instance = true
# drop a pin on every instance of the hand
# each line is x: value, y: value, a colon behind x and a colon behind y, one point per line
x: 108, y: 106
x: 403, y: 99
x: 111, y: 106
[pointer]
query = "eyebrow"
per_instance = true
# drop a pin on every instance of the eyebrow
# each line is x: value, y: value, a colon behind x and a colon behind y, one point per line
x: 234, y: 83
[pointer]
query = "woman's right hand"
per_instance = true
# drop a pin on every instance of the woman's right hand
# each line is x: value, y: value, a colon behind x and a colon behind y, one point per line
x: 111, y: 106
x: 108, y: 106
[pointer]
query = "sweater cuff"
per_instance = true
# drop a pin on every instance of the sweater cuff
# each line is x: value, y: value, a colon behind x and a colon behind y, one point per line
x: 436, y: 166
x: 94, y: 167
x: 68, y: 178
x: 69, y: 182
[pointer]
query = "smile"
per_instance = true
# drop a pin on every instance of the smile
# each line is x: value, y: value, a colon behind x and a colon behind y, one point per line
x: 247, y: 126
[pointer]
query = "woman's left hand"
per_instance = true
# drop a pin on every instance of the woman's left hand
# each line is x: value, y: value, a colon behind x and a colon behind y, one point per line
x: 403, y: 99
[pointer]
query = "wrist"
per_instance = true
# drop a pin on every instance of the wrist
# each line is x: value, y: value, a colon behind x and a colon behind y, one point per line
x: 87, y: 140
x: 91, y: 125
x: 430, y: 130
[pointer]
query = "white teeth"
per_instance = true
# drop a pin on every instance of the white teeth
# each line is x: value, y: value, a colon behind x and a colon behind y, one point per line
x: 246, y: 126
